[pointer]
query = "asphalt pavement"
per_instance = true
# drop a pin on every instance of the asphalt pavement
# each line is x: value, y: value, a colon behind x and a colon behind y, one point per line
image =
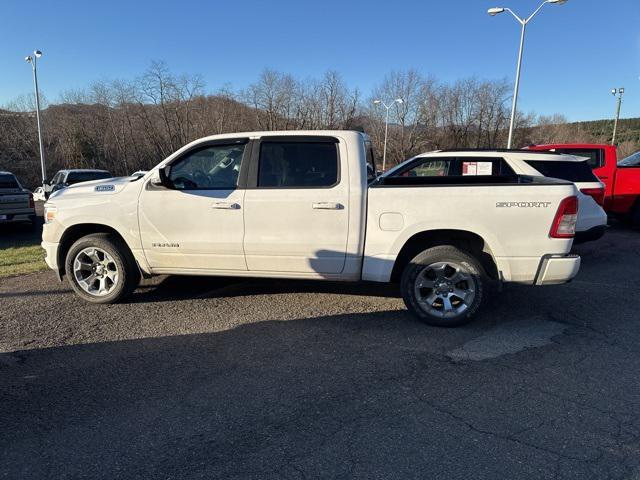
x: 256, y: 379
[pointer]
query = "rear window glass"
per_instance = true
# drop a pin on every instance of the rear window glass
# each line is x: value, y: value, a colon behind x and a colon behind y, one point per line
x: 594, y: 155
x: 570, y: 171
x: 8, y: 181
x: 77, y: 177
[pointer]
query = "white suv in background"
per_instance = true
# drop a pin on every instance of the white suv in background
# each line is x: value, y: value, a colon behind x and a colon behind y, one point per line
x: 592, y: 219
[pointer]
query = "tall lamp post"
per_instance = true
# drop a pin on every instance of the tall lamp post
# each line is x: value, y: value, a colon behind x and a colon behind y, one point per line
x: 619, y: 92
x: 386, y: 128
x: 497, y: 10
x: 33, y: 60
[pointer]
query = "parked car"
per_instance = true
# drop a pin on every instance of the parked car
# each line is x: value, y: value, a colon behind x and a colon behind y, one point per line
x: 621, y: 179
x: 301, y: 205
x: 64, y: 178
x: 592, y: 219
x: 16, y: 202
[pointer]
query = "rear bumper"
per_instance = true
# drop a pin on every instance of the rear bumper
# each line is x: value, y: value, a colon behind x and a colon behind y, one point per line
x: 28, y: 216
x: 557, y: 269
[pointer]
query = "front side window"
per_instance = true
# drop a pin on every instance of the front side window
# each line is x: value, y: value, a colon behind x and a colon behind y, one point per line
x: 291, y: 164
x: 216, y: 167
x: 57, y: 178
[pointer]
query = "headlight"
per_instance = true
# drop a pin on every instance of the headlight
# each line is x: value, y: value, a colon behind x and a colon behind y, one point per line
x: 50, y: 212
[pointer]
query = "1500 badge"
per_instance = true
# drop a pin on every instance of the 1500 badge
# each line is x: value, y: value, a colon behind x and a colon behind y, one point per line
x: 523, y: 204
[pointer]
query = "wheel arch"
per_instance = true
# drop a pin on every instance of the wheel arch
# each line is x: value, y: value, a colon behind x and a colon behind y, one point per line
x: 76, y: 232
x: 468, y: 241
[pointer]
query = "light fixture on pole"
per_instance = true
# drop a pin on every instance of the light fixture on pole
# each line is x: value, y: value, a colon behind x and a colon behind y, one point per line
x: 496, y: 11
x: 33, y: 60
x: 386, y: 127
x: 619, y: 92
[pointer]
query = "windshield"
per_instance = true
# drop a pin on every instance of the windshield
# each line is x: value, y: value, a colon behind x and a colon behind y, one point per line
x: 8, y: 181
x: 630, y: 161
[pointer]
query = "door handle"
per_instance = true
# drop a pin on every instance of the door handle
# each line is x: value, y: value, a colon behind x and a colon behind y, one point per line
x: 327, y: 206
x: 226, y: 206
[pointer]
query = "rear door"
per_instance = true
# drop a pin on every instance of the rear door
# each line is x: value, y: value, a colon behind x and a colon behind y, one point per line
x: 297, y: 205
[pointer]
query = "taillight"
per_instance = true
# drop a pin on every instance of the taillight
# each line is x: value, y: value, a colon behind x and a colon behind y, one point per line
x: 564, y: 224
x: 32, y: 204
x: 596, y: 193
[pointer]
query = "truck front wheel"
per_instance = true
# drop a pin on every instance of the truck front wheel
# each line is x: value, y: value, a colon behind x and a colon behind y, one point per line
x: 444, y: 286
x: 101, y: 269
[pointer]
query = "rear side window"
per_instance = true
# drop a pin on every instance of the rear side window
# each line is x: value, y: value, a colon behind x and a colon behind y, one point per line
x: 8, y: 181
x: 291, y: 164
x: 594, y: 155
x: 77, y: 177
x: 456, y: 167
x: 570, y: 171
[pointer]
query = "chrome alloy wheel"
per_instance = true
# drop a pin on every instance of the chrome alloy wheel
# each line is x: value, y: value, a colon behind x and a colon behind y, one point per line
x: 445, y: 290
x: 95, y: 271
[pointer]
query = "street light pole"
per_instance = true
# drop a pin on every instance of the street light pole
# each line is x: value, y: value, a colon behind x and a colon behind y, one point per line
x: 386, y: 128
x: 619, y: 92
x: 33, y: 60
x: 523, y: 22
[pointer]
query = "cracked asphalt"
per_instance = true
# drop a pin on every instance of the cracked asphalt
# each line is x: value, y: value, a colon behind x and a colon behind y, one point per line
x: 220, y: 378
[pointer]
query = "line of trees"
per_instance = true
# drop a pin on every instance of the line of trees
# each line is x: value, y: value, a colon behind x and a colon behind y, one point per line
x: 127, y: 125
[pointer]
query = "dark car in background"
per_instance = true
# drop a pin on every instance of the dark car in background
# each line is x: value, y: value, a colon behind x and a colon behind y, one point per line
x: 64, y: 178
x: 16, y: 202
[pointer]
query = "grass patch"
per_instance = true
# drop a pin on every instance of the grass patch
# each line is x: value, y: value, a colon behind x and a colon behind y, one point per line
x: 20, y: 259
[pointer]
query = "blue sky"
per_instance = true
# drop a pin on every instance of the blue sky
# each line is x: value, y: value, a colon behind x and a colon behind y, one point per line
x: 575, y: 53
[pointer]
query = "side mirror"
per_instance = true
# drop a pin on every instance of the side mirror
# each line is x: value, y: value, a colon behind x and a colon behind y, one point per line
x: 160, y: 177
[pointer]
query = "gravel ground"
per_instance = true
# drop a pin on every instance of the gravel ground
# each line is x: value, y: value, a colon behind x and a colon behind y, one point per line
x: 219, y: 378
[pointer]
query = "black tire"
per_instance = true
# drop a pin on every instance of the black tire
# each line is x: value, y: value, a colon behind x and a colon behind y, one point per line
x: 127, y: 269
x: 475, y: 283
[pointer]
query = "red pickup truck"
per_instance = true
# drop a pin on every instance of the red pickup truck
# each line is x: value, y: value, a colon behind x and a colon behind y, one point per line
x: 621, y: 179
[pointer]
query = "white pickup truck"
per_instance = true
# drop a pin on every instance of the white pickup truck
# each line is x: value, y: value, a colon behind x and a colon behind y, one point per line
x: 306, y: 205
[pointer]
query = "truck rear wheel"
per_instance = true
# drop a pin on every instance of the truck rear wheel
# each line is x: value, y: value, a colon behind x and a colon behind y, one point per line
x: 101, y: 269
x: 444, y: 286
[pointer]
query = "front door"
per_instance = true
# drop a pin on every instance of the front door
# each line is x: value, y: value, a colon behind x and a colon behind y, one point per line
x: 196, y: 223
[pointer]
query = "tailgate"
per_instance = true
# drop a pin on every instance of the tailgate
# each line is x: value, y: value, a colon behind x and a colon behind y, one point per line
x: 14, y: 202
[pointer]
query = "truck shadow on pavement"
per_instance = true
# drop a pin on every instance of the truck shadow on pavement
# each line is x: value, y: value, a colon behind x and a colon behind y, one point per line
x: 350, y: 396
x: 173, y: 288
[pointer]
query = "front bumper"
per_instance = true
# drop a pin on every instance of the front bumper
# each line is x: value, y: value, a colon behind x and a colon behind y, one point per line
x: 557, y: 269
x: 51, y: 258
